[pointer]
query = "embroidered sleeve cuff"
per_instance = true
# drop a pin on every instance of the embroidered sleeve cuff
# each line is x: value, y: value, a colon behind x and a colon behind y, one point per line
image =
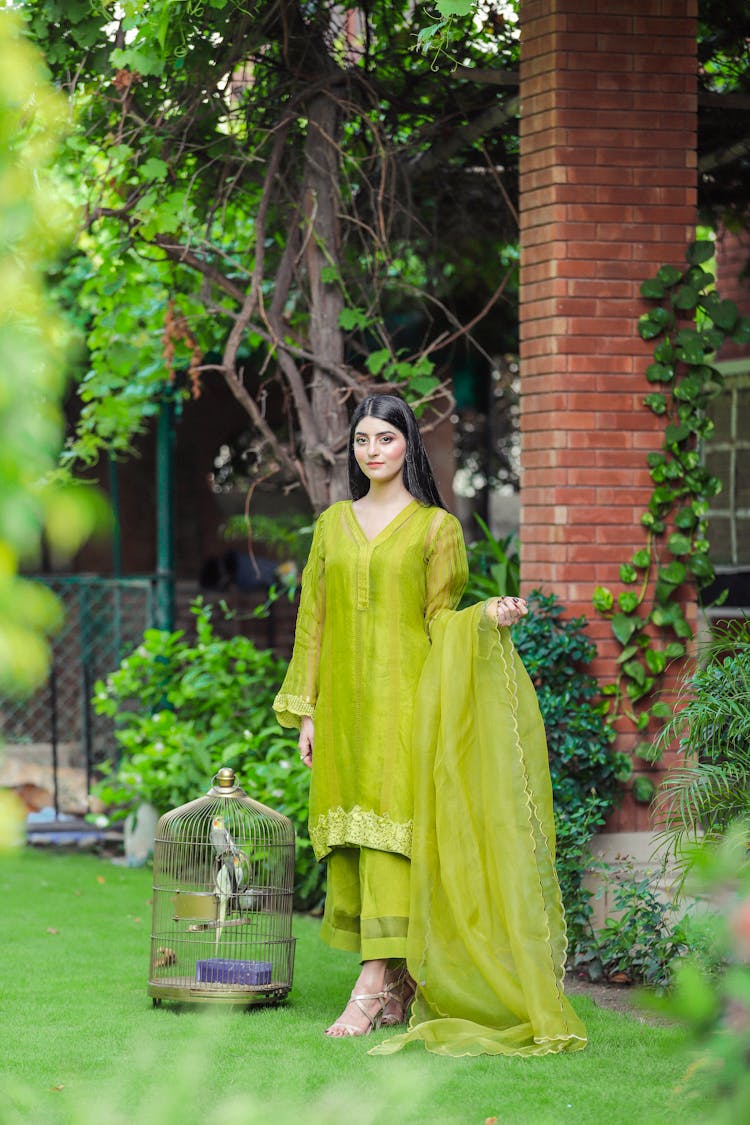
x: 290, y: 709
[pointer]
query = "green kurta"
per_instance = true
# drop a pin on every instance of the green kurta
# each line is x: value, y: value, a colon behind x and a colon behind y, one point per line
x: 361, y: 642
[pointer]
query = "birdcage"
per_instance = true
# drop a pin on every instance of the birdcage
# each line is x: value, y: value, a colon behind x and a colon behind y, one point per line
x: 222, y: 905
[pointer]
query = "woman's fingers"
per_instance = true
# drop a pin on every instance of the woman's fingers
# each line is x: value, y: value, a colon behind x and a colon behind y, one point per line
x: 510, y: 610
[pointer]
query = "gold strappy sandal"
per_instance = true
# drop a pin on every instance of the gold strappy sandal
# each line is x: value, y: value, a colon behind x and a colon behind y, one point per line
x: 401, y: 990
x: 375, y: 1020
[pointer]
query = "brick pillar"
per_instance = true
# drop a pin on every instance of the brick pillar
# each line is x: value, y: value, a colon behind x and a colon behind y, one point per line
x: 608, y: 193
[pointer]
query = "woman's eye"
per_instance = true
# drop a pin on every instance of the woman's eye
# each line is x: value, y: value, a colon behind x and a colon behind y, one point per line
x: 386, y: 439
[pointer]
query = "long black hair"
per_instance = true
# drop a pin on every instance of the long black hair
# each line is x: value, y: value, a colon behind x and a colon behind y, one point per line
x: 417, y: 472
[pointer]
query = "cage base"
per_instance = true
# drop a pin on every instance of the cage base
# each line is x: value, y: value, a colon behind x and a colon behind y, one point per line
x: 200, y: 993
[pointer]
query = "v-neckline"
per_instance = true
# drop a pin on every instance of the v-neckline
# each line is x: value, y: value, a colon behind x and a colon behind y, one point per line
x: 390, y: 527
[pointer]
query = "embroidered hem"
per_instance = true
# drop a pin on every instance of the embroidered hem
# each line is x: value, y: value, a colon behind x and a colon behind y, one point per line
x: 356, y: 827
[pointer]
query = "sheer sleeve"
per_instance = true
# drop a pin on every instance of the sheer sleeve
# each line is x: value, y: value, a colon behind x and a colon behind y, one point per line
x: 299, y: 690
x: 447, y: 568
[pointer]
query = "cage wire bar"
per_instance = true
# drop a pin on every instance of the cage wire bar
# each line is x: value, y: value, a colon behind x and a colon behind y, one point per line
x: 56, y: 727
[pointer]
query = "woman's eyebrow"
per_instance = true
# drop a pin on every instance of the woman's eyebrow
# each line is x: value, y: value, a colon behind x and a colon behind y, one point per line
x: 380, y: 433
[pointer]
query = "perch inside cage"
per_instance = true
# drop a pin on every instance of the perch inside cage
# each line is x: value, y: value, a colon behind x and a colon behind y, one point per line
x: 223, y: 884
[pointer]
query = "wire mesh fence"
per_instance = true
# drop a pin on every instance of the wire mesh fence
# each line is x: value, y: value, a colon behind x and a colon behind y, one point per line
x: 54, y: 733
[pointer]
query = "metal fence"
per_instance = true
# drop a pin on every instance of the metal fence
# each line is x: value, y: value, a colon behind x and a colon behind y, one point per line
x: 53, y: 739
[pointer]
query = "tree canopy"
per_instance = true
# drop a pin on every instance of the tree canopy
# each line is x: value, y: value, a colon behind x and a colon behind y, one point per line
x: 282, y: 194
x: 286, y: 194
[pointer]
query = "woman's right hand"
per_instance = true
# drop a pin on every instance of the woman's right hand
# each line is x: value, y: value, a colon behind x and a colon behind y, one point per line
x: 305, y: 740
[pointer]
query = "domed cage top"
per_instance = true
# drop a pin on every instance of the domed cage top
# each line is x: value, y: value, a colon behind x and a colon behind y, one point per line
x: 222, y: 901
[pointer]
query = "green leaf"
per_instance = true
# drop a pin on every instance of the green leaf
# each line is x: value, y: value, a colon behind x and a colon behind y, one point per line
x: 644, y: 790
x: 686, y: 519
x: 699, y: 252
x: 376, y: 361
x: 668, y: 275
x: 641, y: 558
x: 353, y: 318
x: 725, y: 315
x: 741, y: 334
x: 674, y: 650
x: 656, y: 661
x: 656, y: 402
x: 648, y: 327
x: 628, y: 573
x: 685, y: 297
x: 154, y: 169
x: 679, y: 544
x: 449, y: 8
x: 664, y: 352
x: 627, y: 652
x: 603, y: 599
x: 674, y: 574
x: 659, y: 373
x: 623, y: 627
x: 702, y: 568
x: 660, y: 709
x: 676, y: 432
x: 635, y: 670
x: 628, y: 601
x: 652, y: 289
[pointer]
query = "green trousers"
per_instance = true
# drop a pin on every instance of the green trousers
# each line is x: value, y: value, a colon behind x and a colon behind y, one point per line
x: 367, y: 902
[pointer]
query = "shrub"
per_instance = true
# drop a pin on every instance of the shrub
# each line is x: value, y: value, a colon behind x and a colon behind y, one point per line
x: 182, y: 710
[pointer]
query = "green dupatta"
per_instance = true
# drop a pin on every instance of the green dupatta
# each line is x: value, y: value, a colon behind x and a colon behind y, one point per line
x: 486, y: 940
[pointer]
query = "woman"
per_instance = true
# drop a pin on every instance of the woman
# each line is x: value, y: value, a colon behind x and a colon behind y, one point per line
x: 377, y: 634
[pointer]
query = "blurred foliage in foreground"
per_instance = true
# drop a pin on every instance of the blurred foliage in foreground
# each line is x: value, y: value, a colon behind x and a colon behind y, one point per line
x: 34, y: 221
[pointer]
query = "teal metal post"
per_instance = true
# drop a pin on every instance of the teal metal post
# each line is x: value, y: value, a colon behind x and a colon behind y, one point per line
x: 165, y: 516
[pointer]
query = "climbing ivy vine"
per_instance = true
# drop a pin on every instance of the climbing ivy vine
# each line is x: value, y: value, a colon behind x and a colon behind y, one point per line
x: 687, y: 323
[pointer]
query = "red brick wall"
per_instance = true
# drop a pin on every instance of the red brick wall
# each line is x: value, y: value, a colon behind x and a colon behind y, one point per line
x: 608, y: 193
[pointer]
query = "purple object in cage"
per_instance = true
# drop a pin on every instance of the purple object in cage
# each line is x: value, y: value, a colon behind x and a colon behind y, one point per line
x: 224, y: 970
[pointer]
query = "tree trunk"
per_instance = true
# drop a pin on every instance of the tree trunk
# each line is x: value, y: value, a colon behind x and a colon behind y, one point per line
x: 325, y: 465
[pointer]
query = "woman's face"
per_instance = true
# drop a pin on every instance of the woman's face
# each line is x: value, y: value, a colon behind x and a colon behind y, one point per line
x: 379, y: 449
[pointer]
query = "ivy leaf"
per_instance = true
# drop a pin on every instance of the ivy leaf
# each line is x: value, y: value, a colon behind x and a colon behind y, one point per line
x: 675, y: 432
x: 686, y: 519
x: 668, y: 275
x: 626, y: 654
x: 603, y: 599
x: 664, y: 352
x: 685, y: 297
x: 659, y: 373
x: 725, y: 315
x: 623, y: 627
x: 635, y: 670
x: 656, y: 402
x: 699, y: 252
x: 660, y: 709
x: 628, y: 601
x: 628, y: 573
x: 673, y: 573
x: 648, y: 327
x: 702, y: 568
x: 673, y: 651
x: 641, y: 558
x: 653, y: 289
x: 656, y: 660
x: 679, y: 544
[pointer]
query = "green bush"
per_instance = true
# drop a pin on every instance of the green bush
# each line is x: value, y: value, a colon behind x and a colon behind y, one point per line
x: 182, y: 710
x: 641, y: 940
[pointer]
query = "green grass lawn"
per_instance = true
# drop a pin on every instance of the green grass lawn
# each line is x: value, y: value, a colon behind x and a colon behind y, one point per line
x: 81, y: 1043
